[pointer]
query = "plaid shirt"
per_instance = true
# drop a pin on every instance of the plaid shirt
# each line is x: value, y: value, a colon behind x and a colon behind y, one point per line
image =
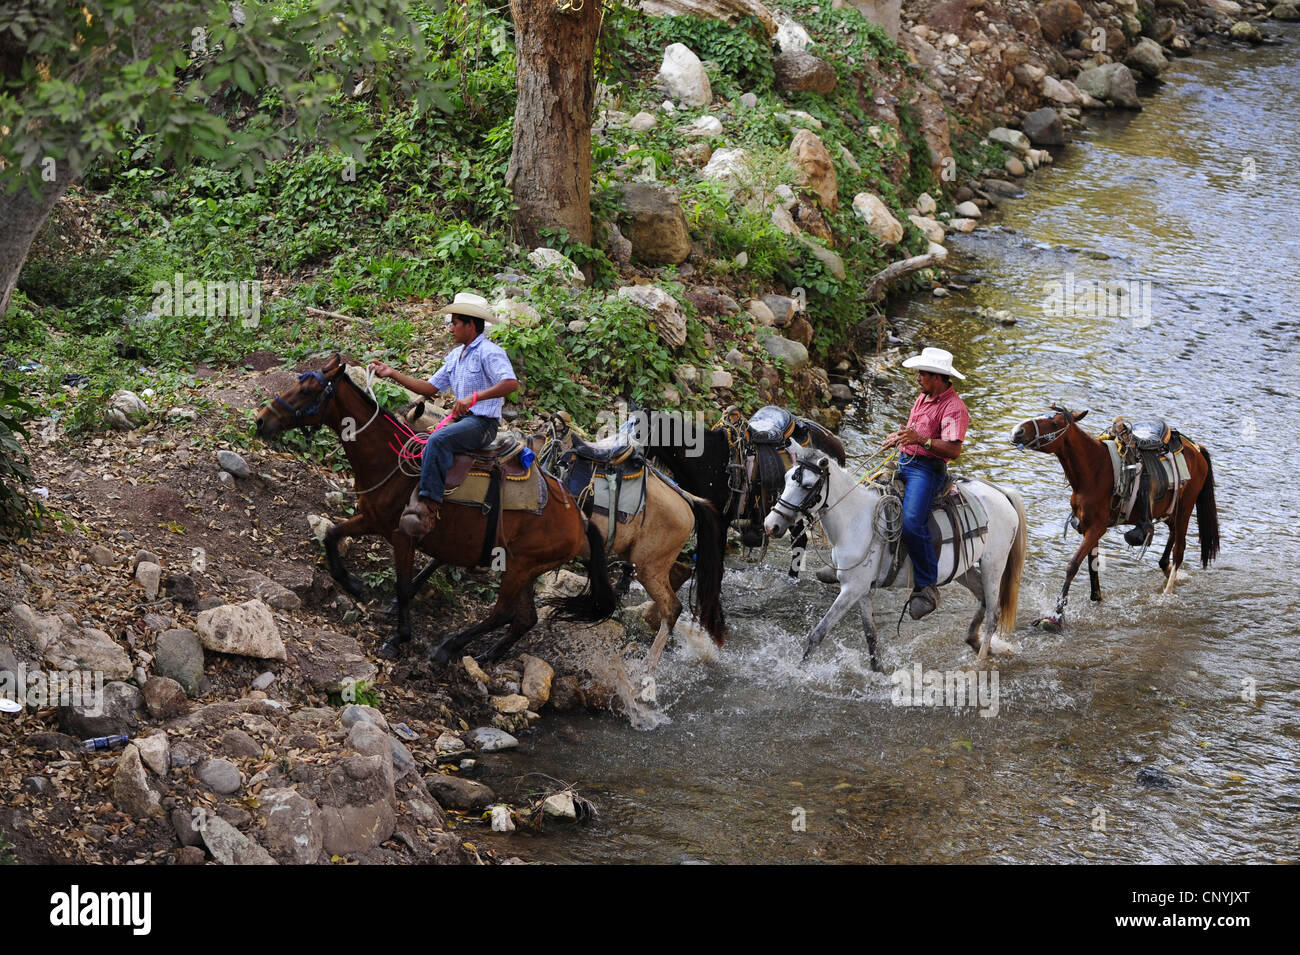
x: 944, y: 417
x: 475, y: 367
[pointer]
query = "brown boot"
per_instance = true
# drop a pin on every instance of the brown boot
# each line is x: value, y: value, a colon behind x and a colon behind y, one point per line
x: 419, y: 517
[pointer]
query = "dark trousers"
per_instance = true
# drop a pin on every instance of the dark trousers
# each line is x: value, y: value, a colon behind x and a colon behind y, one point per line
x: 466, y: 434
x: 922, y: 478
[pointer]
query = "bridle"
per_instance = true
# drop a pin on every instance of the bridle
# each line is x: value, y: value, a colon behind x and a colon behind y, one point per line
x: 1042, y: 439
x: 299, y: 416
x: 818, y: 493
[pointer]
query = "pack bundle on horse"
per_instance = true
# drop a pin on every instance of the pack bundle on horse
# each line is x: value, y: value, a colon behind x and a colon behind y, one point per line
x: 519, y: 513
x: 645, y: 519
x: 1130, y: 475
x: 978, y: 528
x: 742, y: 464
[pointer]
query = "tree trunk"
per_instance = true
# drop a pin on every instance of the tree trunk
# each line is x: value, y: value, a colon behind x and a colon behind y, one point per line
x: 21, y: 217
x: 550, y: 165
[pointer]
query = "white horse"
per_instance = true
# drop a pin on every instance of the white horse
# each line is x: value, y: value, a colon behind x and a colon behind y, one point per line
x: 816, y: 488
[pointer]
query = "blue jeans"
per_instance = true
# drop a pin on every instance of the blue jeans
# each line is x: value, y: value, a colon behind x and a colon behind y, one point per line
x: 922, y: 478
x: 468, y: 434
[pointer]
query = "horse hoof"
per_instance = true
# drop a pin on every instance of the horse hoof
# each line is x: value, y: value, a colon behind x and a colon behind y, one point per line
x: 1049, y: 625
x: 439, y: 656
x: 391, y: 649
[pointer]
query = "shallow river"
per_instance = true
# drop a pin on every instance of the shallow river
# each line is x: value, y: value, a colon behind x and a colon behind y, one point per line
x: 1133, y: 737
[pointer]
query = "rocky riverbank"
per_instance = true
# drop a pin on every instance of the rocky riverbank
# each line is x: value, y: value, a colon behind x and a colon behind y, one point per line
x: 264, y: 728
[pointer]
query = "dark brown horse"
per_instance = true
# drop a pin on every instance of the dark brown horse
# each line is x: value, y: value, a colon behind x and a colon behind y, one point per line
x: 533, y: 543
x: 1088, y: 468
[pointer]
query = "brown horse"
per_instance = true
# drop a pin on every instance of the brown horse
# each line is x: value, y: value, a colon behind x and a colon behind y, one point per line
x: 533, y: 544
x: 1088, y: 468
x: 653, y: 540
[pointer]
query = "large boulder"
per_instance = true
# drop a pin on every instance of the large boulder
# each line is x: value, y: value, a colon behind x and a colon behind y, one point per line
x: 1112, y: 83
x: 1286, y: 11
x: 1059, y: 18
x: 294, y: 832
x: 246, y: 629
x: 880, y: 221
x: 118, y: 710
x: 727, y: 11
x: 816, y: 168
x: 803, y: 73
x: 655, y: 223
x: 1011, y: 138
x: 1147, y: 58
x: 330, y: 661
x: 178, y: 654
x: 726, y: 164
x: 683, y: 76
x: 792, y: 353
x: 1044, y: 128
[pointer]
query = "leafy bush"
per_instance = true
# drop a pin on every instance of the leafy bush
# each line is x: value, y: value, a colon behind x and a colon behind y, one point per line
x: 18, y: 513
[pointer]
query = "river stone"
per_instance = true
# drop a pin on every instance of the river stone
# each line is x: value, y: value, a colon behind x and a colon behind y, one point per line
x: 489, y: 739
x: 968, y: 210
x: 1012, y: 138
x: 800, y: 72
x: 1245, y: 31
x: 1057, y: 92
x: 273, y: 594
x: 246, y: 629
x: 1113, y: 83
x: 219, y: 775
x: 178, y: 654
x: 234, y: 463
x: 453, y: 792
x: 514, y: 703
x: 792, y: 353
x: 930, y: 228
x: 1014, y: 166
x: 566, y: 694
x: 1286, y: 11
x: 670, y: 322
x: 1059, y: 18
x: 118, y: 711
x: 131, y: 792
x: 536, y: 681
x: 1044, y: 127
x: 330, y: 661
x: 682, y: 75
x: 165, y: 698
x: 816, y: 169
x: 655, y: 223
x: 1147, y: 58
x: 448, y: 744
x: 1001, y: 187
x: 560, y: 806
x: 1227, y: 8
x: 294, y: 833
x: 229, y: 846
x: 880, y: 221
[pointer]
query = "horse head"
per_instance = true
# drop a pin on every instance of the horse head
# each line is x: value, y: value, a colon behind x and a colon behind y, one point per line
x: 305, y: 404
x: 1044, y: 434
x: 805, y: 490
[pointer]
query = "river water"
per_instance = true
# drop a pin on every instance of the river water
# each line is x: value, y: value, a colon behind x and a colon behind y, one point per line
x: 1157, y: 728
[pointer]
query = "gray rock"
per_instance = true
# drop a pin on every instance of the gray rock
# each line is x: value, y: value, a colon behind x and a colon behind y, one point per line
x: 181, y: 588
x: 369, y: 740
x: 220, y: 775
x: 801, y: 72
x: 247, y: 629
x: 186, y: 753
x: 1146, y: 57
x: 1044, y: 127
x: 357, y: 805
x: 178, y: 654
x: 165, y: 698
x: 792, y: 353
x: 143, y: 556
x: 294, y: 831
x: 330, y: 661
x: 126, y: 410
x: 38, y: 786
x: 453, y: 792
x: 154, y: 622
x: 182, y: 821
x: 1010, y: 137
x: 642, y: 122
x: 66, y: 647
x: 654, y: 223
x: 118, y: 711
x: 131, y: 791
x: 448, y: 743
x: 747, y: 101
x: 831, y: 260
x: 355, y: 713
x: 274, y: 595
x: 49, y: 742
x: 489, y: 739
x: 102, y: 556
x: 782, y: 308
x: 841, y: 392
x: 229, y: 846
x: 155, y: 752
x: 1286, y: 11
x: 263, y: 680
x: 737, y: 358
x: 1112, y: 82
x: 234, y: 463
x: 403, y: 761
x: 683, y: 76
x: 670, y: 322
x: 207, y: 603
x: 1000, y: 187
x: 1246, y: 31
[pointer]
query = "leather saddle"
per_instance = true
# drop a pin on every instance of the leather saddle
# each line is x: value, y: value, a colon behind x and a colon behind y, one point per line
x: 618, y: 450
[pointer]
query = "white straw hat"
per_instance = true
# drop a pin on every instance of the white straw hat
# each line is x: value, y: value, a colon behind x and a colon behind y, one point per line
x: 475, y: 306
x: 936, y: 360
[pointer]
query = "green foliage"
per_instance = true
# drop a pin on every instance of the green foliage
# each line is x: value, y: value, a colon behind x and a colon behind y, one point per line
x: 18, y: 513
x: 360, y: 692
x: 742, y: 52
x: 6, y: 851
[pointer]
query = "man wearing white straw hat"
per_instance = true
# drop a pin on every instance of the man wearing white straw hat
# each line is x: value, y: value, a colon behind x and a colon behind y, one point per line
x: 479, y: 375
x: 933, y: 436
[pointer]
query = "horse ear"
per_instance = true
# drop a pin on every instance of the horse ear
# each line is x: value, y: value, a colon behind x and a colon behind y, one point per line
x: 1081, y: 414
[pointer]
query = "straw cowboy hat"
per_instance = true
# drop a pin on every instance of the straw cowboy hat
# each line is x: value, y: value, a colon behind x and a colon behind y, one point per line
x: 936, y: 360
x: 475, y: 306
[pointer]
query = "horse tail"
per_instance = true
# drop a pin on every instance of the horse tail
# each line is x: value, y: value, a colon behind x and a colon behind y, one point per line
x: 597, y: 601
x: 1207, y: 514
x: 1009, y: 592
x: 710, y: 541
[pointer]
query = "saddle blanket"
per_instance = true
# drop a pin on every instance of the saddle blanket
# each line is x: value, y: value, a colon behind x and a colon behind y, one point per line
x: 1163, y: 471
x: 519, y: 492
x: 595, y: 485
x: 957, y: 520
